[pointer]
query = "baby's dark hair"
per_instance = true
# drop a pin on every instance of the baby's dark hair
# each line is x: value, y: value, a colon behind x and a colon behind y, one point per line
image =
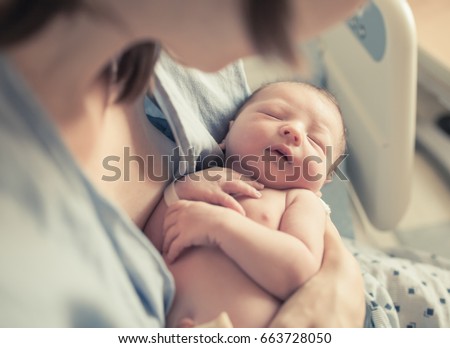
x: 327, y: 94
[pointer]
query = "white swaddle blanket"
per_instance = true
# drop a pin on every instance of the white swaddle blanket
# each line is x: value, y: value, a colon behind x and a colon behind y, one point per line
x: 401, y: 292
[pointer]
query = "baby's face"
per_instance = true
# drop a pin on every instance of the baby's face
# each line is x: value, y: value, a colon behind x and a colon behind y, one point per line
x: 284, y: 135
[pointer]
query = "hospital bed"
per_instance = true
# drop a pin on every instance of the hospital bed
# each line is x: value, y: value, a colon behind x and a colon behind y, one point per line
x: 433, y: 136
x: 370, y: 64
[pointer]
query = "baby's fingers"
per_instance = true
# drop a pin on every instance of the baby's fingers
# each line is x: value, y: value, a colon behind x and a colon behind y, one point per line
x: 174, y: 249
x: 257, y: 185
x: 170, y: 234
x: 170, y: 218
x: 225, y: 200
x: 235, y: 176
x: 240, y: 187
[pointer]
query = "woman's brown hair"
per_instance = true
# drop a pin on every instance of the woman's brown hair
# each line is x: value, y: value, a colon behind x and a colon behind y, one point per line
x: 21, y: 19
x: 268, y: 23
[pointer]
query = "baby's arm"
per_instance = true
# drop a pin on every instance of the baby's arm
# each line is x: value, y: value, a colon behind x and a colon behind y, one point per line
x: 279, y: 262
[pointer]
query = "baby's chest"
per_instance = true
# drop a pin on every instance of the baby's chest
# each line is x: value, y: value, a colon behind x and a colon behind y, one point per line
x: 267, y: 210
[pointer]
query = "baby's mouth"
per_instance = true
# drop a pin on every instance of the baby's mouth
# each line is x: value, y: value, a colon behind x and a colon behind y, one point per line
x: 282, y: 153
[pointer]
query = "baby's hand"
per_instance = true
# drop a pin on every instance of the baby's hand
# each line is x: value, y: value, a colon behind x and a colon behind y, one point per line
x: 218, y: 186
x: 187, y: 224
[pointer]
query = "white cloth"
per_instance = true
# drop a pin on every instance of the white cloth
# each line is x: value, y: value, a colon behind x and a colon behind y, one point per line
x: 326, y: 207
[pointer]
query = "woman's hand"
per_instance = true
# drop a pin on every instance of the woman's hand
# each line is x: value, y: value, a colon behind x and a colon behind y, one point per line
x: 334, y: 297
x: 218, y: 186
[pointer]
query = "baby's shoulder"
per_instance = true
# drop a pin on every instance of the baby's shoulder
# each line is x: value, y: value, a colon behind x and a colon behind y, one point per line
x: 302, y: 196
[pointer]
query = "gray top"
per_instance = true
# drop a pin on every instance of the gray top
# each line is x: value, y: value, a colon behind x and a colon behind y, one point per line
x: 68, y: 257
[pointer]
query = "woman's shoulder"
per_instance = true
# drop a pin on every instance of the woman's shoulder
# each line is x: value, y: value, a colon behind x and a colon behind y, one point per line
x: 63, y: 246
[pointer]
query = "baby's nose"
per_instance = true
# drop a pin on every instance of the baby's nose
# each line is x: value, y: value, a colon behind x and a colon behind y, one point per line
x: 294, y: 133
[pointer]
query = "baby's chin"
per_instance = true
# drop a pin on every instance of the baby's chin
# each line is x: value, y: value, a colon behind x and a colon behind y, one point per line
x: 283, y: 183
